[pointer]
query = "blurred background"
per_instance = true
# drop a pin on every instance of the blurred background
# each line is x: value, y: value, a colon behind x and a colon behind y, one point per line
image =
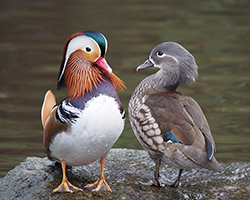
x: 32, y: 36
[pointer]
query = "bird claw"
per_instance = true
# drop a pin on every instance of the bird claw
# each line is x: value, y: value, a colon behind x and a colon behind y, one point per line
x: 151, y: 183
x: 100, y: 185
x: 175, y: 184
x: 157, y: 183
x: 66, y: 186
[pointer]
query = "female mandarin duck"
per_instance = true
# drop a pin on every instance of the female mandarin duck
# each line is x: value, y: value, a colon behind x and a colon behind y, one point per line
x: 83, y: 127
x: 168, y: 124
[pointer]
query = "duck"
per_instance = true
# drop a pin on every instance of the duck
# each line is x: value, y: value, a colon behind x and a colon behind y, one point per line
x: 169, y: 125
x: 83, y: 127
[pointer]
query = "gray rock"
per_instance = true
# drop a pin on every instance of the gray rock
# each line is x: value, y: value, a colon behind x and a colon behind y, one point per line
x: 35, y: 178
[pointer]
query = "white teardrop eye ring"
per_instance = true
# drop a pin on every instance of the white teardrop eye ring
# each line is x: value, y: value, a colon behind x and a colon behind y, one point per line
x: 159, y: 53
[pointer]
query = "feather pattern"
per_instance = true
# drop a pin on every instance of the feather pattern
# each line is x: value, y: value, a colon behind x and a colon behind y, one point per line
x: 169, y: 125
x: 60, y: 82
x: 67, y: 113
x: 83, y: 127
x: 81, y: 76
x: 169, y: 136
x: 170, y: 112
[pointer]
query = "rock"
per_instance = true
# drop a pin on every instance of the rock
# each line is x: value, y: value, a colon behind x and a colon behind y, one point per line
x: 35, y: 178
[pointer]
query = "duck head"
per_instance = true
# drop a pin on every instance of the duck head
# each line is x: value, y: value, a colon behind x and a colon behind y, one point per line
x: 177, y: 66
x: 82, y: 63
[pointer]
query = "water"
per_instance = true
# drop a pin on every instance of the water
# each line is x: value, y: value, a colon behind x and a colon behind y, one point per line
x: 33, y: 34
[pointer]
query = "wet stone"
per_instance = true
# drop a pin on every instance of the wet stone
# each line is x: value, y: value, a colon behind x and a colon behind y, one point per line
x: 35, y: 178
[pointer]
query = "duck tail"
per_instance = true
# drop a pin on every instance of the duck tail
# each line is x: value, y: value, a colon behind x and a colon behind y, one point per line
x: 213, y: 165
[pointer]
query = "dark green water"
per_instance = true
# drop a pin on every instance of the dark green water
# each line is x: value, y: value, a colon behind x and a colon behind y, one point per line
x: 216, y: 32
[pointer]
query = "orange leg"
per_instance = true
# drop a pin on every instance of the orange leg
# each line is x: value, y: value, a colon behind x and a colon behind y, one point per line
x: 100, y: 184
x: 66, y: 186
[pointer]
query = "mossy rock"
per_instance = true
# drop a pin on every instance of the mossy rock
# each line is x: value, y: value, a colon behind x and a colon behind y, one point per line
x: 35, y: 178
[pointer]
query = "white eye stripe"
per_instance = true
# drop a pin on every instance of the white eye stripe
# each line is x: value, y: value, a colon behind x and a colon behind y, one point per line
x: 77, y: 43
x: 175, y: 59
x: 81, y: 42
x: 151, y: 58
x: 161, y: 54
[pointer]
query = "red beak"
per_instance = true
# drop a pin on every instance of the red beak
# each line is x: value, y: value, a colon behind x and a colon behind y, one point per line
x: 102, y: 63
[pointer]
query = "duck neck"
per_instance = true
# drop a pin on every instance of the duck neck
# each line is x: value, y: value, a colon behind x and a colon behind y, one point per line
x: 167, y: 81
x: 105, y: 87
x: 81, y: 81
x: 158, y: 82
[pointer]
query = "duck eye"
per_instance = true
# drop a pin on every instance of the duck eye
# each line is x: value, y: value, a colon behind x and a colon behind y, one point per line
x: 88, y: 49
x: 160, y: 53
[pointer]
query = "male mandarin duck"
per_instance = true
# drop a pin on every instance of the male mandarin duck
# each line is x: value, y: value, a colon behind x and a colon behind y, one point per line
x: 83, y: 127
x: 169, y: 125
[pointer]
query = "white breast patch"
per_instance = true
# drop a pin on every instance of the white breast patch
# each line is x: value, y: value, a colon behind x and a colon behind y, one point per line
x: 92, y: 135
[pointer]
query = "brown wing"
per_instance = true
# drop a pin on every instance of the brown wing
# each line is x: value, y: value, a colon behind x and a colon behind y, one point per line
x: 51, y: 124
x: 183, y: 117
x: 198, y: 117
x: 52, y: 127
